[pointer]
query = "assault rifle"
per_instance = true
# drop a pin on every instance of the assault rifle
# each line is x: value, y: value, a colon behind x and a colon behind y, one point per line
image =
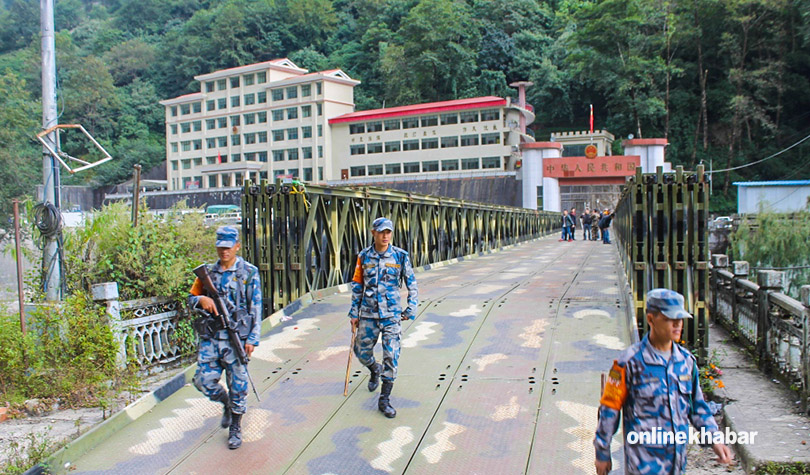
x: 225, y: 319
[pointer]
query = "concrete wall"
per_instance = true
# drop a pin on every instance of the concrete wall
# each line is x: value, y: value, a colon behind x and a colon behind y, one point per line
x: 194, y: 198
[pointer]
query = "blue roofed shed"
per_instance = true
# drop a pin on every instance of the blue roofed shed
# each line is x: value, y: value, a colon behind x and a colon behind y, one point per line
x: 784, y: 196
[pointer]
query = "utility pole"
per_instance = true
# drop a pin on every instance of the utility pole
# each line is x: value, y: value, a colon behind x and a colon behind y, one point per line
x: 50, y: 165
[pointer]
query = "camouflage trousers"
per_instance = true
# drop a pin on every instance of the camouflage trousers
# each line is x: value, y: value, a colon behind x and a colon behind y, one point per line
x: 213, y: 356
x: 368, y: 331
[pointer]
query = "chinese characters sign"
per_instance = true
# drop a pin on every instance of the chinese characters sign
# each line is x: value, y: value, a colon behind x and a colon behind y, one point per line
x: 583, y: 167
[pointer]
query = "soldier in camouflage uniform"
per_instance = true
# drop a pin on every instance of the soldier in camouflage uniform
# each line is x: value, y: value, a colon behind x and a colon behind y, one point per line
x: 376, y: 307
x: 655, y: 384
x: 238, y: 283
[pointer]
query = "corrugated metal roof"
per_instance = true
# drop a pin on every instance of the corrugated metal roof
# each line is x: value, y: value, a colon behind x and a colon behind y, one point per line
x: 774, y: 183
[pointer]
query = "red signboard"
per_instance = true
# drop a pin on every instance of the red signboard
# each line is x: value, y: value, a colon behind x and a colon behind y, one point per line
x: 597, y: 167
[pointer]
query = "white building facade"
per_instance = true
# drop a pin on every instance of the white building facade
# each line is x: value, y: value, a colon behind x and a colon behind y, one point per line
x: 256, y: 121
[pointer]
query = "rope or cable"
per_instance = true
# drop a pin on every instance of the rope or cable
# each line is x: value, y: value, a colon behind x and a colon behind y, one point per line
x: 762, y: 160
x: 782, y: 268
x: 48, y: 219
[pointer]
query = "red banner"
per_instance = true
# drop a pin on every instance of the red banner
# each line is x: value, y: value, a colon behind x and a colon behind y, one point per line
x: 583, y: 167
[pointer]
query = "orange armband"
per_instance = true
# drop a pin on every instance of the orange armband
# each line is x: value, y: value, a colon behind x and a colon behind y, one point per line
x: 615, y: 391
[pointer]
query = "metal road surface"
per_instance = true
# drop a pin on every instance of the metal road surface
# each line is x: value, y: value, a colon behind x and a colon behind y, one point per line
x: 500, y: 373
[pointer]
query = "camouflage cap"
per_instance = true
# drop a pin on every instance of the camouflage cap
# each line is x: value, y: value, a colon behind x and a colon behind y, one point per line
x: 381, y: 224
x: 668, y: 302
x: 227, y: 236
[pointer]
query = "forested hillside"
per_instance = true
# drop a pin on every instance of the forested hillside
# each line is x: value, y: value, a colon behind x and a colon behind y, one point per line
x: 723, y: 80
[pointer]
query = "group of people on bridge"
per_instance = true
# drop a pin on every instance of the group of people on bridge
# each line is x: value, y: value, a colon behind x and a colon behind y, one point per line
x: 595, y: 225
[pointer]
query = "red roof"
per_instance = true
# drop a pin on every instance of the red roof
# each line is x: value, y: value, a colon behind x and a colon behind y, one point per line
x: 417, y: 109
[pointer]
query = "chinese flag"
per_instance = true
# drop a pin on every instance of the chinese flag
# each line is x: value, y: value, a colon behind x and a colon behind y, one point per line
x: 591, y: 118
x: 219, y: 155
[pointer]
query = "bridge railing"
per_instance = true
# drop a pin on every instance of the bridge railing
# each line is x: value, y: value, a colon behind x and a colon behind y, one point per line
x: 305, y: 239
x: 661, y: 226
x: 771, y: 324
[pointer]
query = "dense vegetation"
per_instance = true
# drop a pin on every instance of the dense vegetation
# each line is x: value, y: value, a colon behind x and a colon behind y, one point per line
x: 724, y: 80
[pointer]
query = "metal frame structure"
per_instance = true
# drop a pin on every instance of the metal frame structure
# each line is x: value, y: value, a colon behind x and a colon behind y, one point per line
x: 305, y: 239
x: 662, y: 226
x: 60, y: 154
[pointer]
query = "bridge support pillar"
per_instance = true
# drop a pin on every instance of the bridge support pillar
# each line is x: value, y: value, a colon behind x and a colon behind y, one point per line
x: 539, y: 192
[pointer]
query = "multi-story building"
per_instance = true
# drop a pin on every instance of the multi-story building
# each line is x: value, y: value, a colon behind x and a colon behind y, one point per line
x: 255, y: 121
x: 427, y: 140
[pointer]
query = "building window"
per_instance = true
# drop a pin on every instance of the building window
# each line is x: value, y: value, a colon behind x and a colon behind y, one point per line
x: 411, y: 167
x: 211, y: 142
x: 278, y: 114
x: 238, y: 177
x: 293, y: 172
x: 375, y: 147
x: 209, y: 86
x: 197, y: 125
x: 210, y: 160
x: 392, y: 124
x: 174, y: 129
x: 393, y: 146
x: 374, y: 126
x: 174, y: 165
x: 221, y: 85
x: 261, y: 77
x: 222, y: 103
x: 430, y: 143
x: 234, y: 101
x: 357, y: 149
x: 261, y: 97
x: 306, y: 90
x: 174, y: 111
x: 250, y: 138
x: 250, y: 99
x: 250, y: 157
x: 187, y: 164
x: 375, y: 170
x: 491, y: 162
x: 197, y: 161
x: 210, y: 105
x: 262, y: 156
x: 292, y: 92
x: 222, y: 141
x: 449, y: 119
x: 411, y: 123
x: 250, y: 119
x: 430, y: 166
x: 185, y: 146
x: 449, y: 142
x: 248, y: 79
x: 236, y: 157
x: 468, y: 140
x: 235, y: 122
x: 278, y: 155
x: 318, y: 88
x: 306, y: 132
x: 393, y: 168
x: 226, y: 179
x: 320, y: 155
x: 185, y: 127
x: 449, y: 165
x: 467, y: 117
x: 469, y: 164
x: 292, y: 113
x: 357, y: 128
x: 261, y: 117
x: 490, y: 139
x: 210, y: 124
x: 278, y: 94
x: 430, y: 121
x: 292, y: 154
x: 306, y: 152
x: 174, y: 147
x: 278, y: 135
x: 358, y: 171
x: 320, y: 109
x: 320, y: 130
x: 196, y: 107
x: 235, y: 140
x: 307, y: 170
x: 410, y: 145
x: 306, y: 111
x: 235, y: 82
x: 262, y: 136
x: 292, y: 134
x: 490, y: 114
x: 212, y: 181
x: 222, y: 122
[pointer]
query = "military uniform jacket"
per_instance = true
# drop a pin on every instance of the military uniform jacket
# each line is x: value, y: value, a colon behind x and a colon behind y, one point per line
x: 241, y: 289
x: 659, y: 394
x: 376, y: 282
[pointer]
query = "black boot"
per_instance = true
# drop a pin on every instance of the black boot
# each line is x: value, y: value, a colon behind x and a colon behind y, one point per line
x: 374, y: 377
x: 226, y: 412
x: 235, y: 432
x: 383, y: 404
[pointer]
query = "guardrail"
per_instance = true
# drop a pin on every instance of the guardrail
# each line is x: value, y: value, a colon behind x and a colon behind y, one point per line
x: 771, y: 324
x: 305, y: 239
x: 661, y: 226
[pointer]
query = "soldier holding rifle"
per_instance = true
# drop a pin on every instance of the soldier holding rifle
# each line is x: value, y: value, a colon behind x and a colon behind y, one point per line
x: 230, y: 307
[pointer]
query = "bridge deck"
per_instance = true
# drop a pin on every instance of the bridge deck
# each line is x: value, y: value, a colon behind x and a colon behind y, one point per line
x: 498, y: 374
